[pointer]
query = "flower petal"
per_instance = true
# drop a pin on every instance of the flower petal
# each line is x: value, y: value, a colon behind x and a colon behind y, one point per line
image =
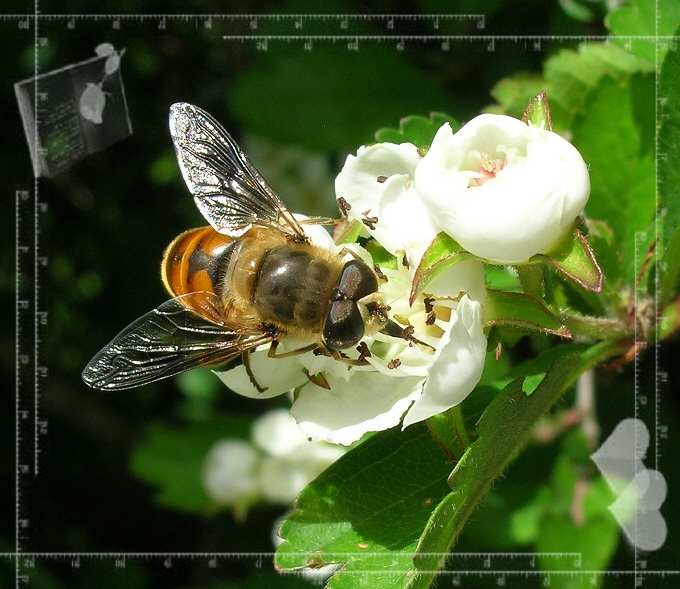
x: 276, y: 375
x: 367, y: 402
x: 458, y: 364
x: 464, y: 277
x: 378, y: 185
x: 277, y: 434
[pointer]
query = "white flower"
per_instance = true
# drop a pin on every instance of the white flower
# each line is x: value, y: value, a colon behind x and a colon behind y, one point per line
x: 291, y: 461
x: 229, y: 472
x: 339, y: 404
x: 503, y: 189
x: 377, y: 183
x: 275, y: 466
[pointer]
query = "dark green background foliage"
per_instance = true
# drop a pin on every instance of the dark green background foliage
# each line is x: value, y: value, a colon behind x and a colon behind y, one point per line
x: 120, y: 472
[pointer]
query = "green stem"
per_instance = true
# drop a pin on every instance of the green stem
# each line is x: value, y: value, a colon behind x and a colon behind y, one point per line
x: 596, y: 328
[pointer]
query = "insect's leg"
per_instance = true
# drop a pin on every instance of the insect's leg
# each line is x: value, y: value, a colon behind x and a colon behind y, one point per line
x: 249, y: 371
x: 344, y: 251
x: 319, y: 349
x: 309, y: 348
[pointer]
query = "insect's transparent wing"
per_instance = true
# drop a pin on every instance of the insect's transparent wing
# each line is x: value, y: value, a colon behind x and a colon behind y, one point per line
x: 167, y: 341
x: 228, y: 190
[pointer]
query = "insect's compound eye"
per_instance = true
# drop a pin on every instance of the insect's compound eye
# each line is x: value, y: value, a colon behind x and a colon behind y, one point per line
x: 357, y: 281
x: 344, y: 325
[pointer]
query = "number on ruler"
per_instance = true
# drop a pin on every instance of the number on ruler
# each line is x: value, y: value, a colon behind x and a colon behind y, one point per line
x: 115, y: 25
x: 71, y: 24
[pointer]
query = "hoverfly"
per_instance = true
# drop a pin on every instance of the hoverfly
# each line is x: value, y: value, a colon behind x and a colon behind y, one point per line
x: 250, y: 278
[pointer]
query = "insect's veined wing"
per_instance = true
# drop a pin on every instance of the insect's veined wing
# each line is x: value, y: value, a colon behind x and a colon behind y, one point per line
x: 167, y: 341
x: 228, y: 190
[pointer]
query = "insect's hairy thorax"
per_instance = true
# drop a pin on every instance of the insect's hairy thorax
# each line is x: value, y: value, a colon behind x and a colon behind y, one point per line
x: 284, y: 282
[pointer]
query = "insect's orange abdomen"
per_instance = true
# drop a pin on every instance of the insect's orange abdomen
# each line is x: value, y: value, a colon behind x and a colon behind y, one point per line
x: 193, y: 261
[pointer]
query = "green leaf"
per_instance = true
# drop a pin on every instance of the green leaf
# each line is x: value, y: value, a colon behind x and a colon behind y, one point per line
x: 669, y: 322
x: 611, y: 139
x: 570, y: 75
x: 368, y: 510
x: 513, y: 94
x: 574, y: 258
x: 386, y: 86
x: 416, y: 129
x: 669, y: 270
x: 519, y: 311
x: 172, y: 459
x: 649, y: 22
x: 442, y: 253
x: 503, y: 430
x: 577, y: 11
x: 669, y: 149
x: 577, y: 518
